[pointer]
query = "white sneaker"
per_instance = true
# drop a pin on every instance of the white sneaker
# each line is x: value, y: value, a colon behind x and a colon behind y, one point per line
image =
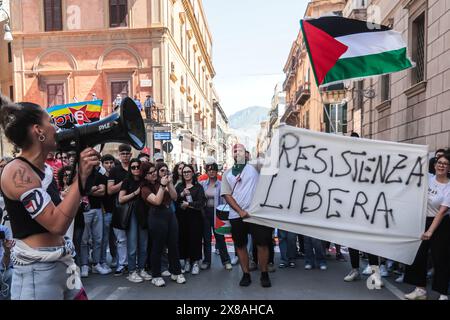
x: 308, y: 267
x: 144, y: 275
x: 84, y: 271
x: 99, y: 269
x: 323, y: 267
x: 367, y: 271
x: 187, y: 266
x: 195, y: 268
x: 352, y: 276
x: 228, y: 266
x: 443, y: 297
x: 383, y: 271
x: 417, y: 294
x: 178, y: 278
x: 159, y: 282
x: 234, y: 260
x: 166, y: 273
x: 134, y: 277
x: 376, y: 277
x: 106, y: 267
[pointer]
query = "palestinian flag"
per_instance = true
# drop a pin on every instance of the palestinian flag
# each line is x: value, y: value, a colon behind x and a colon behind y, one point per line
x: 222, y: 227
x: 341, y: 49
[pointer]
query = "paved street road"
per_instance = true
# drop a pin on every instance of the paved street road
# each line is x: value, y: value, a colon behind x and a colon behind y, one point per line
x: 219, y: 284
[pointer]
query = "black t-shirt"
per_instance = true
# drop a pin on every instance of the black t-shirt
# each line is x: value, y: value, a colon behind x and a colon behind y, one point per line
x: 130, y: 186
x: 118, y: 174
x: 97, y: 179
x: 108, y: 200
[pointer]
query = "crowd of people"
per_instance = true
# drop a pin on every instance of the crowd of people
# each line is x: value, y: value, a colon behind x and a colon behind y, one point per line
x: 135, y: 216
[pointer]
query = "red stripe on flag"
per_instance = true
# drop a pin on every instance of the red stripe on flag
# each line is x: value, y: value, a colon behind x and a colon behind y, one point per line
x: 324, y: 50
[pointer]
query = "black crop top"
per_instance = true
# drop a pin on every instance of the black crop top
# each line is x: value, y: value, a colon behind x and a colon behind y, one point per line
x: 22, y: 224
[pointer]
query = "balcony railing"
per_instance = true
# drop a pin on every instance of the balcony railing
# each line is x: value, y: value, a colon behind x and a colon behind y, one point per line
x: 303, y: 94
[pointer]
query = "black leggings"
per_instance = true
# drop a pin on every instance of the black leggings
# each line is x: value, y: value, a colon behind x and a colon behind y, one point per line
x: 416, y: 274
x: 354, y: 258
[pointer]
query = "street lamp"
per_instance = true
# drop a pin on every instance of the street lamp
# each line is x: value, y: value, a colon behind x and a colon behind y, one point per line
x: 8, y: 34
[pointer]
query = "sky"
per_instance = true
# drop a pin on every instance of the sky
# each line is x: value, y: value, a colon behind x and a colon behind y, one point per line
x: 251, y: 44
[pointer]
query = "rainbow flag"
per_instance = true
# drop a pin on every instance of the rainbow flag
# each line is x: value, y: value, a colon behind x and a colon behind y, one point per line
x: 78, y: 113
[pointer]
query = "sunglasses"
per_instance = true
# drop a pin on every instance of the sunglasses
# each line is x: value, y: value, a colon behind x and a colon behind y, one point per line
x: 135, y: 168
x: 163, y: 170
x: 151, y: 172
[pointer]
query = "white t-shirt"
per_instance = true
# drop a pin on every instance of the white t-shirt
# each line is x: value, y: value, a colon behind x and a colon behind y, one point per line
x: 8, y: 236
x: 438, y: 195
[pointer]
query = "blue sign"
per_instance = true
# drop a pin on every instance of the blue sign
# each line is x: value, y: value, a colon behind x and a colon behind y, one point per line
x: 160, y: 135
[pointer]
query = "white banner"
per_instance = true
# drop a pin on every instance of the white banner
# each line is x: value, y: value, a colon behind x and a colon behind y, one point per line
x: 364, y: 194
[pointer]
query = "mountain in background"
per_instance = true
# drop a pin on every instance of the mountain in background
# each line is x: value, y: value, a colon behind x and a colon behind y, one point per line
x: 245, y: 124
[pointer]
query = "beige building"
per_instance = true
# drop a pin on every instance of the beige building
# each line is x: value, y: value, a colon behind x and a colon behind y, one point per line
x: 411, y: 106
x: 306, y: 105
x: 68, y: 49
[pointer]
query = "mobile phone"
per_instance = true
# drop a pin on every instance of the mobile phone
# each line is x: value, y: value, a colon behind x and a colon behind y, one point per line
x: 2, y: 235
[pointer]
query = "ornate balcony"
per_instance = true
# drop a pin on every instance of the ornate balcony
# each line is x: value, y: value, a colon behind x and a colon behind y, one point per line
x: 303, y: 94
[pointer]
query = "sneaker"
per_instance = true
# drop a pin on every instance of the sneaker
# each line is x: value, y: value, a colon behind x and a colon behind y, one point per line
x: 308, y: 266
x: 443, y: 297
x: 119, y: 271
x: 400, y: 279
x: 246, y: 280
x: 134, y: 277
x: 292, y: 264
x: 205, y: 266
x: 383, y: 271
x: 367, y: 271
x: 271, y: 267
x: 352, y: 276
x: 98, y: 268
x: 234, y: 260
x: 252, y: 265
x: 265, y: 281
x: 187, y: 266
x: 106, y: 267
x: 323, y: 267
x: 178, y: 278
x: 195, y: 269
x: 282, y: 265
x: 228, y: 266
x: 158, y: 282
x: 417, y: 294
x: 84, y: 271
x: 144, y: 275
x: 166, y: 273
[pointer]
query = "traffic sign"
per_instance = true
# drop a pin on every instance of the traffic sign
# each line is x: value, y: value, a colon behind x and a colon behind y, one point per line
x: 158, y: 135
x: 167, y: 147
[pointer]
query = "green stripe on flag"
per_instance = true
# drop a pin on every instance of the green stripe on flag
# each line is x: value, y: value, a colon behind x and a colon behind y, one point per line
x: 370, y: 65
x: 224, y: 230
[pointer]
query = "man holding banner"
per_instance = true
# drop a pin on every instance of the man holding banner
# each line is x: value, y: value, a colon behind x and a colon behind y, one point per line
x: 238, y: 187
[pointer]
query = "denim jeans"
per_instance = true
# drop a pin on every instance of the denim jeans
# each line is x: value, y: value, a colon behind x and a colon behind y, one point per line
x: 42, y: 281
x: 288, y: 246
x: 137, y: 241
x: 93, y: 229
x: 208, y: 227
x: 5, y: 283
x: 121, y: 244
x: 105, y: 240
x: 163, y: 226
x: 314, y: 252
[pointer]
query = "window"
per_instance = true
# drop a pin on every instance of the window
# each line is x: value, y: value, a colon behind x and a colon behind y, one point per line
x: 336, y: 118
x: 359, y: 95
x: 385, y: 87
x: 172, y: 25
x: 53, y: 15
x: 118, y: 12
x: 418, y: 48
x: 182, y: 38
x: 55, y: 94
x: 9, y: 52
x: 172, y: 105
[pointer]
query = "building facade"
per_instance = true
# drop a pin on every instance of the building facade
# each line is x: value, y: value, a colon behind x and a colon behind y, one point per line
x: 412, y: 106
x: 306, y: 105
x: 66, y: 50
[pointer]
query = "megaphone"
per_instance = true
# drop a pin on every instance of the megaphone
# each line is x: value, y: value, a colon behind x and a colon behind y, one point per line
x: 126, y: 127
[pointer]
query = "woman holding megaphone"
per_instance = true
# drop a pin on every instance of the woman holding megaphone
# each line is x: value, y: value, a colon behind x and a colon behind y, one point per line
x: 43, y: 258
